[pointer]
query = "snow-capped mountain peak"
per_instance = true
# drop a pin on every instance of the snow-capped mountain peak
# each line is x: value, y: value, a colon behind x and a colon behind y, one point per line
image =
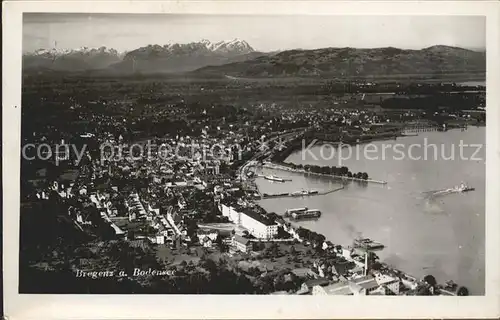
x: 81, y: 50
x: 172, y: 57
x: 206, y: 42
x: 83, y: 58
x: 235, y: 45
x: 200, y: 48
x: 51, y: 51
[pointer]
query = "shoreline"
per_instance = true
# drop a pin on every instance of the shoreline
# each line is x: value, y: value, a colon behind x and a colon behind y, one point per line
x: 410, y: 280
x: 394, y: 135
x: 413, y: 280
x: 385, y: 265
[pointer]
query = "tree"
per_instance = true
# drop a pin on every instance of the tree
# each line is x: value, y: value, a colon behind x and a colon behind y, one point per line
x: 429, y: 279
x: 258, y: 246
x: 209, y: 265
x: 462, y: 291
x: 274, y: 249
x: 278, y: 282
x: 190, y: 266
x: 344, y: 171
x: 319, y: 249
x: 376, y: 265
x: 423, y: 291
x: 223, y: 247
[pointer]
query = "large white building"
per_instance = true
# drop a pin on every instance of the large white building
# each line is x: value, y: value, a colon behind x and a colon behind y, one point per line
x: 230, y: 212
x: 256, y: 224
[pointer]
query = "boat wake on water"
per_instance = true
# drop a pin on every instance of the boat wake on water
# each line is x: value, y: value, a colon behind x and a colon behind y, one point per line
x: 463, y: 187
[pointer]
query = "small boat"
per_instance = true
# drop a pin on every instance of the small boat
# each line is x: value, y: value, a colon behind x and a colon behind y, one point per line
x: 289, y: 212
x: 306, y: 214
x: 274, y: 178
x: 368, y: 244
x: 463, y: 187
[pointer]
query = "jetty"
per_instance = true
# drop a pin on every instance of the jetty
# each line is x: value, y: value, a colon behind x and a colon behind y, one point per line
x: 414, y: 134
x: 300, y: 194
x: 270, y: 165
x: 273, y: 178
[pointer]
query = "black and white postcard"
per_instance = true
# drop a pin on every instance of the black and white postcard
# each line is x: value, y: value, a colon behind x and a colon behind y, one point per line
x: 275, y: 157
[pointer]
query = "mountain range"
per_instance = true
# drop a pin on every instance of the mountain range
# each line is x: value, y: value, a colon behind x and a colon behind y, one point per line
x: 150, y: 59
x: 236, y: 58
x: 342, y: 62
x: 71, y: 59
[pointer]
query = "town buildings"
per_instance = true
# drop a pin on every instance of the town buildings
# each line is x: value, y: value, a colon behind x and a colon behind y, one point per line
x: 257, y: 225
x: 366, y: 285
x: 242, y: 244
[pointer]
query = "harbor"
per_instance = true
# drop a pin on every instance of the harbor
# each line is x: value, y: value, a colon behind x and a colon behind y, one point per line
x: 452, y: 225
x: 363, y: 252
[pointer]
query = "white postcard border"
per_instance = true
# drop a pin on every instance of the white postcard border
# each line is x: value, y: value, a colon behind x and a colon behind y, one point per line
x: 19, y: 306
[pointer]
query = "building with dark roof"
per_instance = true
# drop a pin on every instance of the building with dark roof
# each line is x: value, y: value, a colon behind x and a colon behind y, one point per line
x: 242, y: 244
x: 308, y: 285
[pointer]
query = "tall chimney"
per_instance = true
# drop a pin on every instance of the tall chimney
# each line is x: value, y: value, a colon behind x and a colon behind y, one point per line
x: 366, y: 262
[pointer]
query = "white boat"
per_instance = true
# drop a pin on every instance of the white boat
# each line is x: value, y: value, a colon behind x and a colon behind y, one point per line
x: 289, y: 212
x: 274, y: 178
x: 368, y: 244
x: 463, y: 187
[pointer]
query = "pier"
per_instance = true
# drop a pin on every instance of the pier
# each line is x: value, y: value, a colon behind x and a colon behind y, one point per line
x: 409, y: 134
x: 280, y: 178
x: 299, y: 195
x: 285, y: 168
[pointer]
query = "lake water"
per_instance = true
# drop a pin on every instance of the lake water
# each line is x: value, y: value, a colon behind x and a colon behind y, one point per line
x: 443, y: 236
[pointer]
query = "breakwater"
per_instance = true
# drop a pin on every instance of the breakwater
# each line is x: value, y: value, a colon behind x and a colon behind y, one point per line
x: 270, y: 165
x: 301, y: 194
x: 276, y: 179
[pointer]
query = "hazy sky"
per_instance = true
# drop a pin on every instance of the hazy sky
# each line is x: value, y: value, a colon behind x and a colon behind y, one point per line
x: 265, y: 33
